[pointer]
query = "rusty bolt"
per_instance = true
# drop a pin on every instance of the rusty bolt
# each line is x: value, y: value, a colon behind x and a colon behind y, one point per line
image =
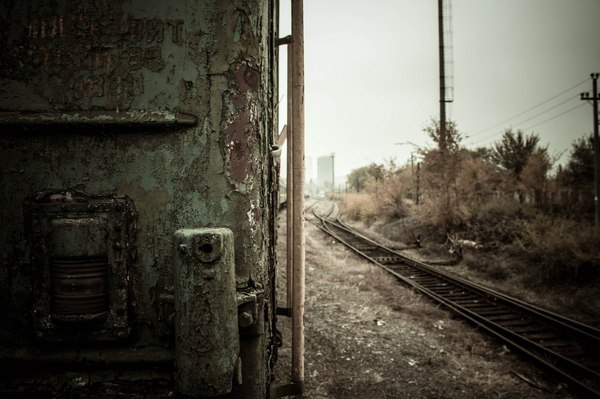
x: 245, y: 319
x: 208, y: 247
x: 183, y: 249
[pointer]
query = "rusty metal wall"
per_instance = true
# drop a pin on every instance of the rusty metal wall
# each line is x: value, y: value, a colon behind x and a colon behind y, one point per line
x: 166, y: 107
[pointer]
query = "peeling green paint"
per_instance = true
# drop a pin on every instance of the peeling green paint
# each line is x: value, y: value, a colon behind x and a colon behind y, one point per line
x: 166, y: 104
x: 224, y: 205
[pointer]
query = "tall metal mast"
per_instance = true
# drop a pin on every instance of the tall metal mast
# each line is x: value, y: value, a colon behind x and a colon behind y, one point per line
x: 445, y: 59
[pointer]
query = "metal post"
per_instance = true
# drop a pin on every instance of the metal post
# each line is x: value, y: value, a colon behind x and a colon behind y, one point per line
x: 418, y: 177
x: 290, y: 179
x: 412, y: 174
x: 298, y: 176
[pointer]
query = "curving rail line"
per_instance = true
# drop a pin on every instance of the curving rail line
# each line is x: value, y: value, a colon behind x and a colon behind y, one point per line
x: 569, y: 349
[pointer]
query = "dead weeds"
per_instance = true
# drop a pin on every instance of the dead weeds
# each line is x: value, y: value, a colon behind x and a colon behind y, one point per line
x: 369, y: 337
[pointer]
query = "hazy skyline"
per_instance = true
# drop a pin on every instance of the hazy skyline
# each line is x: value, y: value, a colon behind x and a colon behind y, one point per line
x: 372, y: 78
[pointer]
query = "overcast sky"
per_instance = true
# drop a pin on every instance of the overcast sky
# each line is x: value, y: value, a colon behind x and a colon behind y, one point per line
x: 372, y: 78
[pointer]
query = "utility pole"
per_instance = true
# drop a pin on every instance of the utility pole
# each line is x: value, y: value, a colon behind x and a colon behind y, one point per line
x: 418, y: 180
x: 412, y: 175
x: 594, y: 98
x: 412, y: 168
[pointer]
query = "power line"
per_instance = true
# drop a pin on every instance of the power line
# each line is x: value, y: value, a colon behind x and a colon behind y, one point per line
x: 554, y: 117
x: 530, y: 109
x: 537, y: 124
x: 548, y: 110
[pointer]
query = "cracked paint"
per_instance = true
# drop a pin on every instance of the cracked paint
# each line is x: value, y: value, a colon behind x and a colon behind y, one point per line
x: 167, y: 104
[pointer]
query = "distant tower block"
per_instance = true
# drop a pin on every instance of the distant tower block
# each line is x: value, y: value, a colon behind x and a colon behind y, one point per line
x: 325, y: 172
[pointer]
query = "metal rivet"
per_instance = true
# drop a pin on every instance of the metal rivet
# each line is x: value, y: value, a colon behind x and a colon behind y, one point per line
x: 245, y: 319
x: 183, y: 249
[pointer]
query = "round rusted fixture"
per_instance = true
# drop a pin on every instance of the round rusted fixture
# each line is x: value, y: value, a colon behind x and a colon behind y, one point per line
x: 208, y: 247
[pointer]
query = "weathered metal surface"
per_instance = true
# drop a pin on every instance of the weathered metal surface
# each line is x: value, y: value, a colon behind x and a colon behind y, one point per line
x: 139, y: 120
x: 91, y: 54
x: 194, y: 74
x: 81, y: 248
x: 207, y: 343
x: 79, y: 286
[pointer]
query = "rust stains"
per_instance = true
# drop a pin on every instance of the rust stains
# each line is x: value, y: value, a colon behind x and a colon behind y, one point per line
x: 247, y: 78
x: 239, y: 123
x: 237, y: 133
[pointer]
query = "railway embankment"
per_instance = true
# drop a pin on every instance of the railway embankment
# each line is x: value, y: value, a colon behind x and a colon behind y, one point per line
x: 368, y: 337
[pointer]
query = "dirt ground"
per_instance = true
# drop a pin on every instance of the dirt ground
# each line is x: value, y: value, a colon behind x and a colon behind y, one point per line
x: 369, y: 337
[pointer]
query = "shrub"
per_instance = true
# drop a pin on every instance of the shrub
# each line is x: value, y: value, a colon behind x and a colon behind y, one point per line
x: 444, y: 214
x: 561, y: 250
x: 390, y: 198
x: 360, y: 207
x: 499, y: 220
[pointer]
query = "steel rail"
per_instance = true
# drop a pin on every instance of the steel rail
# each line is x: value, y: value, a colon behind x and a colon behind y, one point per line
x: 570, y: 349
x: 583, y: 331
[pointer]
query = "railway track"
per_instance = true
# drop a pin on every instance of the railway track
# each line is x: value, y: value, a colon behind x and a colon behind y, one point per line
x: 567, y: 348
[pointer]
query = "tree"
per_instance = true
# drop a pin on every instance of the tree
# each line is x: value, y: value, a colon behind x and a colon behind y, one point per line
x: 477, y: 177
x: 579, y: 171
x: 439, y: 175
x: 534, y: 176
x: 514, y: 150
x: 358, y: 178
x: 441, y: 167
x: 453, y: 136
x: 578, y: 177
x: 535, y: 172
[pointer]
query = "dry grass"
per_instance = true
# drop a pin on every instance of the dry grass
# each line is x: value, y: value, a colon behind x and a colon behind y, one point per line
x: 368, y: 337
x: 562, y: 249
x: 360, y: 206
x: 547, y: 260
x: 387, y: 203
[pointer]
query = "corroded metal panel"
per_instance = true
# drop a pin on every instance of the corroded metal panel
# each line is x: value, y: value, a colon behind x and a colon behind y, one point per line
x: 81, y: 248
x: 101, y: 54
x: 166, y: 104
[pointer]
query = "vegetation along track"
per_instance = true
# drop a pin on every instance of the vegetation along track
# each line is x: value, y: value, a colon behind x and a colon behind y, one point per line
x: 569, y: 349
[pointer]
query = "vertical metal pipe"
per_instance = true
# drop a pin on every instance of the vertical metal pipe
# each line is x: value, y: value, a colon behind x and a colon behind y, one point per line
x: 298, y: 205
x: 290, y: 180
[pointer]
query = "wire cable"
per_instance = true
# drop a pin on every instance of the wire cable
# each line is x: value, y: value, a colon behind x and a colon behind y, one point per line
x: 534, y: 125
x: 530, y: 109
x: 555, y: 116
x: 549, y: 109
